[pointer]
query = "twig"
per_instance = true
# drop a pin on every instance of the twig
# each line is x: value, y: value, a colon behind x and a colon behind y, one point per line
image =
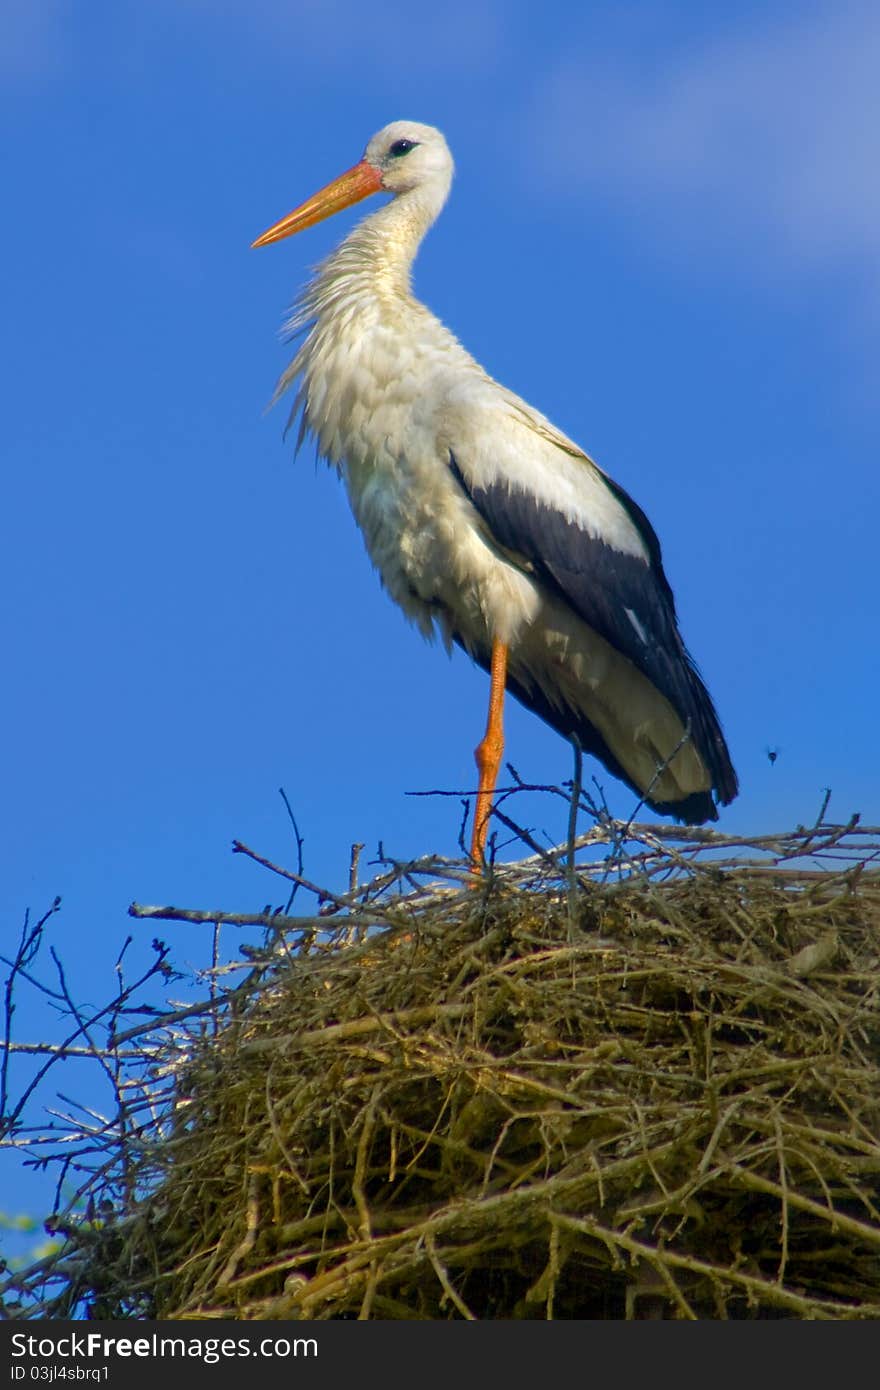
x: 322, y: 894
x: 271, y: 920
x: 299, y: 849
x: 443, y: 1275
x: 28, y: 946
x: 353, y: 867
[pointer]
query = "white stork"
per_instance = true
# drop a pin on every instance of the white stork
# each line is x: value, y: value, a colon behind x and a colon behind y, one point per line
x: 483, y: 520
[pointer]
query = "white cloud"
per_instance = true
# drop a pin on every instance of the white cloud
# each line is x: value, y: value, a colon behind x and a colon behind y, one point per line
x: 33, y: 42
x: 767, y: 141
x: 395, y: 39
x: 397, y: 34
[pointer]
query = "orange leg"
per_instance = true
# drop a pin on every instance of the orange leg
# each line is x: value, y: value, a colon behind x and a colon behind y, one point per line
x: 488, y: 753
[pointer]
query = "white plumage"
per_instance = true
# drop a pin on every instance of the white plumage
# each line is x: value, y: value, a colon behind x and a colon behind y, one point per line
x: 482, y: 519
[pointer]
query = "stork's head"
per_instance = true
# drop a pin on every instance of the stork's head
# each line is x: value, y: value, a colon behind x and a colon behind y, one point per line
x: 402, y: 157
x: 407, y: 155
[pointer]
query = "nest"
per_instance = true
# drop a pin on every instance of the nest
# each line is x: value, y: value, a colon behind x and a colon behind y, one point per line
x: 643, y: 1085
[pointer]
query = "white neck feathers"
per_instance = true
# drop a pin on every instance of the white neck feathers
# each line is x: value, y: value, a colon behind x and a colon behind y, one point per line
x: 364, y: 281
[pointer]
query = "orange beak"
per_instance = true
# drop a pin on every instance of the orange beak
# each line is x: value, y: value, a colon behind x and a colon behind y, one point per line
x: 349, y: 188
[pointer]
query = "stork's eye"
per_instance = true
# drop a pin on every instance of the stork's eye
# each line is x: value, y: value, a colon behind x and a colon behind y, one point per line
x: 402, y: 147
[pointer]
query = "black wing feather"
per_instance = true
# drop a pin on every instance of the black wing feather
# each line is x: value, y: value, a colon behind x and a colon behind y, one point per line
x: 626, y: 599
x: 692, y: 810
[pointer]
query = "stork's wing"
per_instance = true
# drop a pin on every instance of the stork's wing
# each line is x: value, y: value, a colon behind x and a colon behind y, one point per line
x: 601, y: 556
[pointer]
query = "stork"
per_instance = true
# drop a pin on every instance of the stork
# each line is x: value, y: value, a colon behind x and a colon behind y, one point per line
x: 485, y: 522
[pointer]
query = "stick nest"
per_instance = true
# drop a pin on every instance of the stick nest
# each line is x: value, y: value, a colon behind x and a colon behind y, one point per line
x: 643, y: 1085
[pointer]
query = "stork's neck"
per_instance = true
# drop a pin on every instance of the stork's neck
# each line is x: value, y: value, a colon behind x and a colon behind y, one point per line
x: 363, y: 286
x: 379, y: 252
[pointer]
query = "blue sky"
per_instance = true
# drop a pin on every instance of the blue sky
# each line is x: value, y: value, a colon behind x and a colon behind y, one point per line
x: 663, y: 233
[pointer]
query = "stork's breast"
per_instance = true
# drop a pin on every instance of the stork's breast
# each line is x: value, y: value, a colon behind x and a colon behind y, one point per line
x: 427, y: 541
